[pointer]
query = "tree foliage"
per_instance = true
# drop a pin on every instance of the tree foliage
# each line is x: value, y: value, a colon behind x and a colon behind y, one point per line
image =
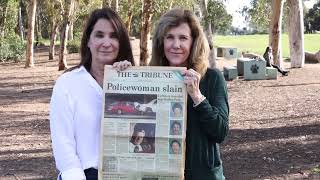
x: 218, y: 16
x: 258, y: 14
x: 50, y: 14
x: 8, y: 16
x: 313, y: 16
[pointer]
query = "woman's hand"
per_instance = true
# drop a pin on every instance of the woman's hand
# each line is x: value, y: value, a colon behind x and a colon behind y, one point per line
x: 192, y: 80
x: 121, y: 65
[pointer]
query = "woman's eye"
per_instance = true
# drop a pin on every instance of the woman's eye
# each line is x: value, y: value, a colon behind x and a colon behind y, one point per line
x: 183, y: 38
x: 99, y: 35
x: 169, y: 37
x: 114, y: 35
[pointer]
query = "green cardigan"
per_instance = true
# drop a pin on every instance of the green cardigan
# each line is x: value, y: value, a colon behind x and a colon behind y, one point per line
x: 207, y: 125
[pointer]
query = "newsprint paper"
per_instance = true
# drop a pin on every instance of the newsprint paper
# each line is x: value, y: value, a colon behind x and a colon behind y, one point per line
x: 143, y: 125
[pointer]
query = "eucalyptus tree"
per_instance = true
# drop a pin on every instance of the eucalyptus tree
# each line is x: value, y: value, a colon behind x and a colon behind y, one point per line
x: 264, y: 13
x: 53, y: 12
x: 147, y: 12
x: 214, y: 17
x: 30, y: 35
x: 67, y: 11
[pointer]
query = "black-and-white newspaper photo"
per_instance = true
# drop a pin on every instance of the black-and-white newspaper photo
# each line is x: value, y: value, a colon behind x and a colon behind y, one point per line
x: 143, y: 127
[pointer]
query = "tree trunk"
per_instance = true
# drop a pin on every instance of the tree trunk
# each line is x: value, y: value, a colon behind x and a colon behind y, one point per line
x: 147, y: 7
x: 208, y: 33
x: 296, y: 36
x: 31, y: 24
x: 130, y: 15
x: 53, y: 36
x: 128, y: 22
x: 21, y: 29
x: 275, y: 31
x: 70, y: 36
x: 312, y: 58
x: 106, y: 3
x: 68, y: 10
x: 115, y: 5
x: 3, y: 20
x: 38, y: 25
x: 63, y: 46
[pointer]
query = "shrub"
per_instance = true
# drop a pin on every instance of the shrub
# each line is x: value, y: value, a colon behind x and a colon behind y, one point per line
x: 73, y: 46
x: 12, y: 48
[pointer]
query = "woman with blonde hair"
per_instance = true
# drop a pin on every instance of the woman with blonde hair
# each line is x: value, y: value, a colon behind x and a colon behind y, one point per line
x: 179, y: 41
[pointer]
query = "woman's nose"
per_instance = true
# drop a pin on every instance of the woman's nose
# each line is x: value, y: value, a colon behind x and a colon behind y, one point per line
x: 106, y: 42
x: 176, y: 44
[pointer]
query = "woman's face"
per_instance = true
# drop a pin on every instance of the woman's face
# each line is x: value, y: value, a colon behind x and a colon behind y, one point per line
x: 175, y: 148
x: 177, y: 111
x: 176, y: 129
x: 177, y: 45
x: 103, y: 43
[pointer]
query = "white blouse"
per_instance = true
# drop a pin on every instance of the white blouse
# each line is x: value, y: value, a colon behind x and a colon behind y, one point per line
x: 75, y: 115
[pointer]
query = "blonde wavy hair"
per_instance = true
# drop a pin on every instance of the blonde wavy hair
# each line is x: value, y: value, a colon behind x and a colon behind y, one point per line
x: 198, y: 57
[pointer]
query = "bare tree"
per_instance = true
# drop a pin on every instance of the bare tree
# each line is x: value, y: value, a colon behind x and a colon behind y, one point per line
x: 147, y: 12
x: 208, y: 32
x: 67, y: 12
x: 21, y: 29
x: 54, y: 13
x: 275, y: 31
x: 53, y: 36
x: 296, y: 36
x: 30, y: 36
x: 130, y: 15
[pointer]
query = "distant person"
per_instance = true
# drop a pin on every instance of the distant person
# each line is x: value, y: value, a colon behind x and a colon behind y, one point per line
x: 176, y: 110
x: 175, y: 128
x: 76, y: 101
x: 175, y: 147
x: 269, y: 60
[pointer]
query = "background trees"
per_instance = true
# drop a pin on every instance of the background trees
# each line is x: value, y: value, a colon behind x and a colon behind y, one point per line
x: 312, y: 18
x: 64, y: 19
x: 54, y: 18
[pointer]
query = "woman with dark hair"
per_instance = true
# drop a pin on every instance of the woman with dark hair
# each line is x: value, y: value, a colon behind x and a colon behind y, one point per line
x: 175, y: 147
x: 179, y: 41
x: 175, y: 128
x: 269, y: 60
x: 76, y: 102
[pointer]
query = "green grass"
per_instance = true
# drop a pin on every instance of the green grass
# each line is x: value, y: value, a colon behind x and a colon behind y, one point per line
x: 258, y: 43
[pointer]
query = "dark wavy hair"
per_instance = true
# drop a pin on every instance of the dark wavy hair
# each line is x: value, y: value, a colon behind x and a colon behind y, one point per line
x: 125, y: 50
x: 175, y: 141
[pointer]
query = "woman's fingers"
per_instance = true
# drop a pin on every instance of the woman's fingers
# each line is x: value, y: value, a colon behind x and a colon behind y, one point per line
x: 191, y: 73
x: 121, y: 65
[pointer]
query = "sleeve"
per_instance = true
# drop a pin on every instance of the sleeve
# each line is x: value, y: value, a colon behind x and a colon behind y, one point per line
x: 62, y: 134
x: 213, y: 112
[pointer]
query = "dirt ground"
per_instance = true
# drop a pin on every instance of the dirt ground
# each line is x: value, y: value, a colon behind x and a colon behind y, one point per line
x: 274, y: 124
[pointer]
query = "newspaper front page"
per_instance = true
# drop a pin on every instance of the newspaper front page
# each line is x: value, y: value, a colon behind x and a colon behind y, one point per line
x: 143, y: 126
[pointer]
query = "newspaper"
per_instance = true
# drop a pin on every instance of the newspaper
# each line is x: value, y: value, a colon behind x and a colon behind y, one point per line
x: 143, y: 126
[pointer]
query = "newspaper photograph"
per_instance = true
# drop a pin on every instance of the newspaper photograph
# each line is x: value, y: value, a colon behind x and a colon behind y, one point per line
x: 143, y: 127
